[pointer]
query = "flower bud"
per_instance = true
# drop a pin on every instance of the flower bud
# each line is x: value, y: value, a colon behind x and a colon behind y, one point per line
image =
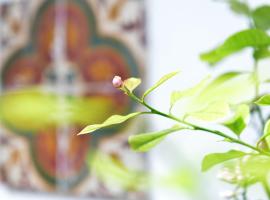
x: 117, y: 82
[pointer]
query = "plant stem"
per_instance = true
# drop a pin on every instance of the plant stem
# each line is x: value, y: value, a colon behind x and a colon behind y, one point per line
x: 244, y: 194
x: 266, y: 188
x: 257, y: 82
x: 195, y: 127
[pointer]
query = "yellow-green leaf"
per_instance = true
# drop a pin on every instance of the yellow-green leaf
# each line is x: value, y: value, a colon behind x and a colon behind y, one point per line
x: 240, y: 120
x: 146, y: 141
x: 213, y: 159
x: 115, y: 119
x: 264, y: 101
x: 177, y: 95
x: 131, y: 83
x: 212, y: 112
x: 160, y: 82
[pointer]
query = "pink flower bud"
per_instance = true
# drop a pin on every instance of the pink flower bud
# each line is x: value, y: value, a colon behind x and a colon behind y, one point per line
x: 117, y: 82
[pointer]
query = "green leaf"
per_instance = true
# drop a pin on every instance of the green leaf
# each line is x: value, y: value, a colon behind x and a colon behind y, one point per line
x: 211, y: 160
x: 160, y: 82
x: 261, y: 17
x: 212, y: 112
x: 115, y: 119
x: 266, y: 133
x: 177, y: 95
x: 267, y: 128
x: 264, y: 101
x: 239, y: 7
x: 262, y: 53
x: 240, y: 120
x: 248, y: 38
x: 131, y: 83
x: 145, y: 142
x: 233, y: 88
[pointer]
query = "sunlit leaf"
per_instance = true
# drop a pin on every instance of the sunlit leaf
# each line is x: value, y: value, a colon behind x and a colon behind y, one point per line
x: 177, y: 95
x: 232, y: 88
x: 113, y: 120
x: 240, y: 120
x: 132, y: 83
x: 146, y: 141
x: 261, y: 17
x: 248, y: 38
x: 212, y: 112
x: 160, y: 82
x: 264, y: 101
x: 214, y: 159
x: 256, y: 167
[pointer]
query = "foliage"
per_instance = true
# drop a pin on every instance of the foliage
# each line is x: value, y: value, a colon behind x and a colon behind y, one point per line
x: 229, y: 101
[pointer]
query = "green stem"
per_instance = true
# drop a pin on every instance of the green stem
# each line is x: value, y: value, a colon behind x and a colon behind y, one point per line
x: 195, y: 127
x: 266, y: 188
x: 244, y: 194
x: 257, y: 82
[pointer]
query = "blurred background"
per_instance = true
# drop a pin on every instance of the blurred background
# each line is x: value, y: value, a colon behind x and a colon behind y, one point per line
x: 57, y: 59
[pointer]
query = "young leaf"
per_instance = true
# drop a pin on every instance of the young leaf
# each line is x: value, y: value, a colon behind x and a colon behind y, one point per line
x: 131, y: 83
x: 145, y: 142
x: 239, y: 7
x: 240, y: 120
x: 233, y: 88
x: 264, y: 101
x: 177, y: 95
x: 261, y: 17
x: 115, y: 119
x: 237, y: 42
x: 212, y: 112
x: 160, y: 82
x: 211, y: 160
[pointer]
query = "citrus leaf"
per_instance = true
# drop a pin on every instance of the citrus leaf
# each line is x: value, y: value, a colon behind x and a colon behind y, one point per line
x: 248, y: 38
x: 160, y: 82
x: 115, y: 119
x: 146, y: 141
x: 240, y: 120
x: 177, y: 95
x: 131, y: 83
x: 261, y: 17
x: 267, y: 128
x: 262, y: 53
x: 239, y: 7
x: 264, y: 101
x: 214, y: 159
x: 212, y: 112
x: 266, y: 133
x: 232, y: 88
